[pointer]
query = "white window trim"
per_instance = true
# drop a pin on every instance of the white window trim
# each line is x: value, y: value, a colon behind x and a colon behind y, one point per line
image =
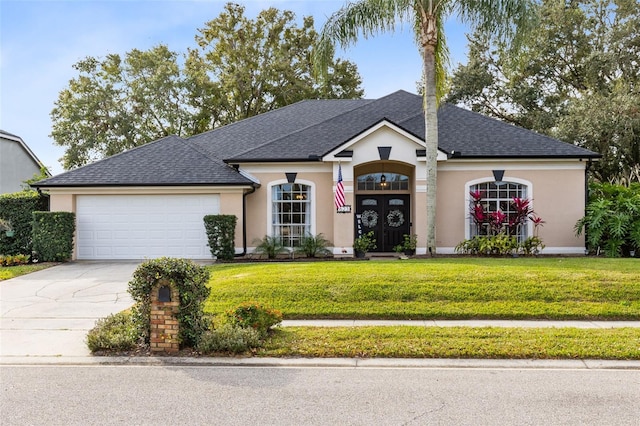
x: 269, y: 207
x: 488, y: 179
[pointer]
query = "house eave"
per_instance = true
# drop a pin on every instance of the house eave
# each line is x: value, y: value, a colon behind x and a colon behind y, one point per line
x: 152, y: 185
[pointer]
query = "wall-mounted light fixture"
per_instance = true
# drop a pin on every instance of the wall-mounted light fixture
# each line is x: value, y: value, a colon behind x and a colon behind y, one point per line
x: 497, y: 177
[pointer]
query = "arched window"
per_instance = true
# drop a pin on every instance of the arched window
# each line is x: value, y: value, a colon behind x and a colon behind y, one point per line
x: 291, y: 212
x: 491, y: 197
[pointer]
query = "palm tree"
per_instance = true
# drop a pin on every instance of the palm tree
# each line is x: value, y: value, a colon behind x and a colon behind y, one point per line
x: 506, y: 20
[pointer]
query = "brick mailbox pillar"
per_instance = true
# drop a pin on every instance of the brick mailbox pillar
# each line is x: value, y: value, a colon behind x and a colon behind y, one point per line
x: 165, y: 303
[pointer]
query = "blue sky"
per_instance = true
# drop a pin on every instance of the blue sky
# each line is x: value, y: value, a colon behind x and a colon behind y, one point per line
x: 40, y: 40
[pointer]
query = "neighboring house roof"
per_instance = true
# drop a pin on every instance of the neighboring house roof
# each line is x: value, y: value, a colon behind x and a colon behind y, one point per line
x: 18, y: 139
x: 306, y: 131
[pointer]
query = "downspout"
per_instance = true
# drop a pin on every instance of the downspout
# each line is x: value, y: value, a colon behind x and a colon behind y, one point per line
x: 244, y: 221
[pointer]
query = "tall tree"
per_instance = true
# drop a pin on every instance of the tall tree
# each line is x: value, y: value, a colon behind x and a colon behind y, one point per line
x: 576, y: 78
x: 239, y: 68
x: 506, y: 19
x: 252, y: 66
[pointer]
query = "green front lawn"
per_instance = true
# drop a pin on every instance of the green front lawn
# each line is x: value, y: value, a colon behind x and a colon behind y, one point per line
x: 443, y: 288
x: 457, y: 342
x: 8, y: 272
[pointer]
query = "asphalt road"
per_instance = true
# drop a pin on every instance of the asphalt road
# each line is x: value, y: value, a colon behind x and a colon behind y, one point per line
x: 182, y: 395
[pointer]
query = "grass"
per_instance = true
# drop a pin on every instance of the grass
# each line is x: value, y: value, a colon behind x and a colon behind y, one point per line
x: 458, y: 342
x: 8, y: 272
x: 442, y: 288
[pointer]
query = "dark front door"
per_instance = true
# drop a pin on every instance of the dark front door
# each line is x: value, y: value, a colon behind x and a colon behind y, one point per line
x: 388, y: 216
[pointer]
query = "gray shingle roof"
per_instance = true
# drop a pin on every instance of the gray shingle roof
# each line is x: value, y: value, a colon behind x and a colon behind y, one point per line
x: 305, y: 131
x: 168, y: 161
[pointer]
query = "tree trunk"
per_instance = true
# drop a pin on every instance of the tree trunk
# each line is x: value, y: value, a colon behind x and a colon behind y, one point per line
x: 431, y: 140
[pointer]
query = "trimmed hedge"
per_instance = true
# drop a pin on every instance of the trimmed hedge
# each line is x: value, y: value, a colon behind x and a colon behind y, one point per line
x: 189, y: 278
x: 18, y: 208
x: 53, y: 235
x: 221, y: 233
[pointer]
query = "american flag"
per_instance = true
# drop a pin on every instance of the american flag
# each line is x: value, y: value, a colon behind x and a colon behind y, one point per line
x: 339, y: 198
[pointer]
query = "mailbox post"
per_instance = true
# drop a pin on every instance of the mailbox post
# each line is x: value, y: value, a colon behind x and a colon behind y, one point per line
x: 165, y: 303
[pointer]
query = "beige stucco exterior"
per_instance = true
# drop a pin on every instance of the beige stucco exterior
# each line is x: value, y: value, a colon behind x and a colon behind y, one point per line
x: 556, y: 187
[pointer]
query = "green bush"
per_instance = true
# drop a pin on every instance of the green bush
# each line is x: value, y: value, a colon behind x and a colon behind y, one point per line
x: 365, y: 242
x: 531, y: 246
x: 270, y: 246
x: 489, y: 245
x: 17, y: 208
x: 254, y: 315
x: 229, y: 338
x: 612, y: 220
x: 116, y: 332
x: 53, y: 235
x: 313, y: 246
x: 189, y: 278
x: 221, y: 233
x: 18, y: 259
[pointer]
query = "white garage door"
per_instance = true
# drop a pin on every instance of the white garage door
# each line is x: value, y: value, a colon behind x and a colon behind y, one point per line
x: 143, y: 226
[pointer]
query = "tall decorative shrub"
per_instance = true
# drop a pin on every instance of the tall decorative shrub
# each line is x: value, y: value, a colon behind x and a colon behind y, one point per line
x: 191, y: 281
x: 612, y: 220
x: 17, y: 208
x: 503, y: 231
x: 53, y: 235
x: 221, y: 233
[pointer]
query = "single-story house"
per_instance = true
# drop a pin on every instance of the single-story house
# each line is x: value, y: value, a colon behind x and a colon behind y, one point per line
x: 277, y: 173
x: 17, y: 163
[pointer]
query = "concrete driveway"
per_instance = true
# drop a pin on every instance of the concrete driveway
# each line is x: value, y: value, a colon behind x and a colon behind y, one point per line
x: 48, y: 313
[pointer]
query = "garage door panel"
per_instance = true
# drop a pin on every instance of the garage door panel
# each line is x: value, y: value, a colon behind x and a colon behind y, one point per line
x: 143, y: 226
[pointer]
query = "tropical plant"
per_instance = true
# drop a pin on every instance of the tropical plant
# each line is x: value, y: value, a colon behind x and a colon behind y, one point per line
x: 507, y: 20
x: 271, y: 246
x: 498, y: 222
x: 314, y: 246
x: 612, y: 220
x: 364, y: 243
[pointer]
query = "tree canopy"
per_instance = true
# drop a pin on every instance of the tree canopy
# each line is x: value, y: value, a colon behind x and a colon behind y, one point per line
x: 237, y: 68
x: 577, y: 78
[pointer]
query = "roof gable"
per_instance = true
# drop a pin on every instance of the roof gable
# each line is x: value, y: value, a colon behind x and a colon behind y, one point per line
x: 404, y: 145
x: 24, y: 146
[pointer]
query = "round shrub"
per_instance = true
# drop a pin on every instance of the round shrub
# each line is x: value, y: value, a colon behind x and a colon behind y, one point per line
x: 254, y: 315
x: 116, y: 332
x: 229, y: 338
x: 189, y: 278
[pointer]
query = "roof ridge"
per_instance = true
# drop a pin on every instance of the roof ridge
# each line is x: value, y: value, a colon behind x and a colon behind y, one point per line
x: 367, y: 102
x: 262, y: 114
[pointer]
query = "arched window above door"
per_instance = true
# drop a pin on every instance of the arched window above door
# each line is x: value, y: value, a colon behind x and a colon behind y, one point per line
x: 383, y: 181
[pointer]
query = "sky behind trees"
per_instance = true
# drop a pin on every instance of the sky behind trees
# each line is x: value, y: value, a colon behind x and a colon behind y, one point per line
x: 40, y: 40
